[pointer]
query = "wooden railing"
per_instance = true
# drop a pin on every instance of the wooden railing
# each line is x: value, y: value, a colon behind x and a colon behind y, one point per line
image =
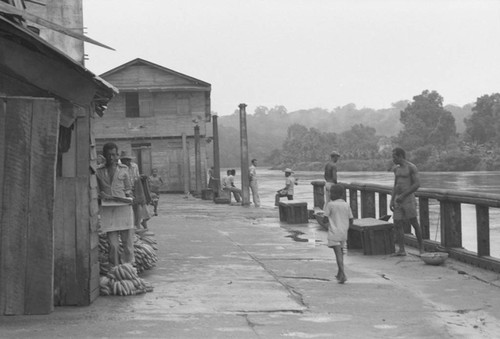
x: 373, y: 198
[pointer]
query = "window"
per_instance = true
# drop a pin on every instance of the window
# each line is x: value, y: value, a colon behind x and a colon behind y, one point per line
x: 132, y: 105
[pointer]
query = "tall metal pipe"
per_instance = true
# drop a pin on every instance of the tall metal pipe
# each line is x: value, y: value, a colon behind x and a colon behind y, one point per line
x: 185, y: 164
x: 197, y: 159
x: 216, y: 174
x: 245, y: 182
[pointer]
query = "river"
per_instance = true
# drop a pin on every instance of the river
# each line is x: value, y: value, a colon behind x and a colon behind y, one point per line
x: 488, y: 182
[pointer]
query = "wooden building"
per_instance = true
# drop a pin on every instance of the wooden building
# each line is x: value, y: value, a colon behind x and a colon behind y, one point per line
x: 154, y: 118
x: 48, y: 196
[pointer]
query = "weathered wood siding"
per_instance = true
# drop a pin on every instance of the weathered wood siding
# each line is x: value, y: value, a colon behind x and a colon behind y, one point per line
x: 145, y: 76
x: 161, y: 115
x: 28, y: 150
x: 170, y: 105
x: 167, y: 157
x: 76, y: 276
x: 94, y: 222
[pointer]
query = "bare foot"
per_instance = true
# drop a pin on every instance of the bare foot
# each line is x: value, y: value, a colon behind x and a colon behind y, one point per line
x: 342, y: 279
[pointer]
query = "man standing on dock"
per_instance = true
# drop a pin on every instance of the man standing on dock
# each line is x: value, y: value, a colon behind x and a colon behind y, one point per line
x: 331, y: 174
x: 254, y: 186
x: 403, y: 204
x: 117, y: 218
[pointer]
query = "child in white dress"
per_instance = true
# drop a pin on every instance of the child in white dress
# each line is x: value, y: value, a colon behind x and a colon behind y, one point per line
x: 340, y: 219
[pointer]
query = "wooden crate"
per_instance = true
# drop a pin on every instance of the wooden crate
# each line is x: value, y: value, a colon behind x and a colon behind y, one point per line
x: 293, y: 212
x: 207, y: 194
x: 372, y: 235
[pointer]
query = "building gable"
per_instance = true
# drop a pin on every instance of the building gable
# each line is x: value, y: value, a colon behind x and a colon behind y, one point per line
x: 140, y: 75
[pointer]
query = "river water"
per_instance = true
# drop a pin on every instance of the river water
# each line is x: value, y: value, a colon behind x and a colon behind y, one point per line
x: 488, y: 182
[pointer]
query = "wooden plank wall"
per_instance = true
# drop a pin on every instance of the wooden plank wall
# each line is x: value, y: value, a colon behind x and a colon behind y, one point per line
x: 160, y: 116
x: 147, y: 76
x: 72, y: 278
x: 76, y: 275
x: 28, y: 150
x: 94, y: 223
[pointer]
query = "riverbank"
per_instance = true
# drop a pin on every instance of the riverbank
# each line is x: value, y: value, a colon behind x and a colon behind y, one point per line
x: 237, y: 272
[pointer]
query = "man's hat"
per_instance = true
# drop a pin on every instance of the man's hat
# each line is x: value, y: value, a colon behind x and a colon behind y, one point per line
x: 124, y: 155
x: 287, y: 170
x: 335, y: 153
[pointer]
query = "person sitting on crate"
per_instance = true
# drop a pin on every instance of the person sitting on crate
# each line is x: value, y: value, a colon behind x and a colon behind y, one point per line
x: 290, y: 182
x: 228, y: 185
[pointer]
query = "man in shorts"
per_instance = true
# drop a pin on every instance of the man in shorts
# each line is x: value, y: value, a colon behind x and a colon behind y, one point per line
x: 403, y: 204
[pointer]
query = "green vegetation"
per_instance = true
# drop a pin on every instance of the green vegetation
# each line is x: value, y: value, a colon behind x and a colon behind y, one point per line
x: 436, y: 138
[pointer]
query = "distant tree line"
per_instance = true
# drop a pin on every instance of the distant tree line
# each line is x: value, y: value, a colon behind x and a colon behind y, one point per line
x: 436, y: 138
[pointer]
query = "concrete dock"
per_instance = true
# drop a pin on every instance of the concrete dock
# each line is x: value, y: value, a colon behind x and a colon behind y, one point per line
x: 237, y: 272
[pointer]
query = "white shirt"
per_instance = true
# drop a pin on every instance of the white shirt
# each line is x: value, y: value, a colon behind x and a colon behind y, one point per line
x: 338, y: 213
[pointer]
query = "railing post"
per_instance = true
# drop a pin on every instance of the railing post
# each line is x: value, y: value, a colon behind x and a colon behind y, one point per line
x: 367, y: 204
x: 382, y: 204
x: 353, y: 201
x: 423, y: 208
x: 483, y: 230
x: 451, y: 224
x: 319, y: 193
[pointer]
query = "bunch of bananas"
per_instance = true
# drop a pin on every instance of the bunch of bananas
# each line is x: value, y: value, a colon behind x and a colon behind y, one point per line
x: 145, y: 247
x: 123, y: 280
x: 149, y: 239
x: 145, y: 256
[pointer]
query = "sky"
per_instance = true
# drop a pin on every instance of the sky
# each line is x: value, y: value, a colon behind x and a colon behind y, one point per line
x: 305, y: 54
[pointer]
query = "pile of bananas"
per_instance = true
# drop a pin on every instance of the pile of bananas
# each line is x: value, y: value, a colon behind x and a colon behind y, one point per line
x: 145, y: 256
x: 149, y: 239
x: 123, y: 280
x: 145, y: 247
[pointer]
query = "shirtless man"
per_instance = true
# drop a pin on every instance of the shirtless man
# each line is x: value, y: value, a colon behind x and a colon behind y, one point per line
x: 403, y: 204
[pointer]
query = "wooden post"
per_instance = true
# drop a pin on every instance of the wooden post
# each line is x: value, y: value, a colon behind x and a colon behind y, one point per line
x: 382, y: 204
x: 245, y: 182
x: 197, y: 160
x: 353, y: 202
x: 483, y: 230
x: 216, y: 156
x: 451, y: 224
x: 423, y: 208
x: 319, y: 193
x: 367, y: 204
x: 185, y: 164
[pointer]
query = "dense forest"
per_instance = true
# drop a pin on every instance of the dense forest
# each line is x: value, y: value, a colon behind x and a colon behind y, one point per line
x: 436, y: 137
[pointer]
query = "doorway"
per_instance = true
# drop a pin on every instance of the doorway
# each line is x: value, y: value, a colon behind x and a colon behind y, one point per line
x: 142, y: 154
